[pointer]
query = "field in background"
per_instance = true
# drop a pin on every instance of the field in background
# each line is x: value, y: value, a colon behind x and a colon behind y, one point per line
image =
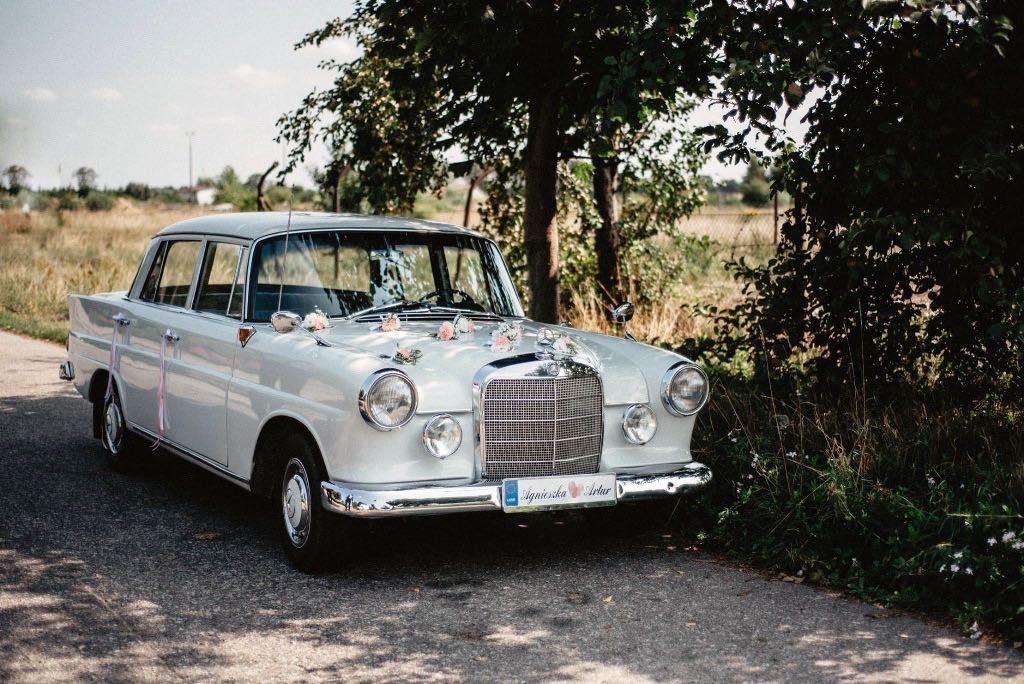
x: 44, y: 256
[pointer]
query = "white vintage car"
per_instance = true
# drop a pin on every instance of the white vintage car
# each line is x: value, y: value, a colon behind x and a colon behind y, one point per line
x: 357, y: 366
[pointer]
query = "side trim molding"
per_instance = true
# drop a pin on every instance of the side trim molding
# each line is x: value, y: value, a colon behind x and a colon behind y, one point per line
x: 191, y: 456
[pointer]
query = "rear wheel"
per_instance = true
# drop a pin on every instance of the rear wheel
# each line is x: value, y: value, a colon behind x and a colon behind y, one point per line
x: 310, y: 534
x: 124, y: 450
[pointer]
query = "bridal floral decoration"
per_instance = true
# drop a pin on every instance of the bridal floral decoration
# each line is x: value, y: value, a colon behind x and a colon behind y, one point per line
x: 406, y: 356
x: 447, y: 332
x: 390, y: 323
x: 316, y: 321
x: 506, y: 337
x: 566, y: 346
x: 464, y: 325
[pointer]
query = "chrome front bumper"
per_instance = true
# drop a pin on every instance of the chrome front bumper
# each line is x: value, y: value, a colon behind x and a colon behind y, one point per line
x: 375, y: 503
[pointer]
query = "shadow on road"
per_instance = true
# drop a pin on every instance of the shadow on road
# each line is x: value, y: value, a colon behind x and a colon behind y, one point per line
x: 174, y: 573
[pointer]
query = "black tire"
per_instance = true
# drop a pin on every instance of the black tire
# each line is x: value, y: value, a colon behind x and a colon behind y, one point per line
x: 125, y: 451
x: 631, y: 519
x: 310, y: 535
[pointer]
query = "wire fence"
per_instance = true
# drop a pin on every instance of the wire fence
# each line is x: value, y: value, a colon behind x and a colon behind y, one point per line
x: 736, y: 228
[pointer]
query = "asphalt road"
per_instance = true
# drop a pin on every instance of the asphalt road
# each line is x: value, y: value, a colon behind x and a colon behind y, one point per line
x: 173, y: 574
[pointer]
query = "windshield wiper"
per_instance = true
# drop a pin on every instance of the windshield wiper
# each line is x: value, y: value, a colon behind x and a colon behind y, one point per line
x: 403, y: 305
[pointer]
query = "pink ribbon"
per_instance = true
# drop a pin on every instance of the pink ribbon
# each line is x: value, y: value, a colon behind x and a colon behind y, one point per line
x: 161, y: 388
x: 113, y: 362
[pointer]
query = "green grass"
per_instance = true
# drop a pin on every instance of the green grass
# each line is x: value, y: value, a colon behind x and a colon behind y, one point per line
x: 33, y: 328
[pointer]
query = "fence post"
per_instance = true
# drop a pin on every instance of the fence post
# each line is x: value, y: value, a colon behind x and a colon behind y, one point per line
x: 775, y: 238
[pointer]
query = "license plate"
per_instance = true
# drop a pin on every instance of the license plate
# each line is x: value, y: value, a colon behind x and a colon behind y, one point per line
x: 563, y: 491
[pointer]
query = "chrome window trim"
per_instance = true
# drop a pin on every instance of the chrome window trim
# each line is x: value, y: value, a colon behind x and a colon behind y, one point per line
x: 666, y: 381
x: 189, y: 455
x: 157, y: 243
x: 365, y: 389
x: 247, y: 318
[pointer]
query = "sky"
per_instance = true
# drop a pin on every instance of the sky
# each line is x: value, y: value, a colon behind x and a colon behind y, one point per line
x: 115, y: 86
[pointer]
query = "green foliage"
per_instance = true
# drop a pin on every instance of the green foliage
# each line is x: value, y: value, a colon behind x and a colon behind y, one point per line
x: 17, y: 177
x: 68, y: 201
x: 99, y: 201
x: 137, y: 191
x: 900, y: 257
x: 231, y: 190
x: 917, y: 506
x: 85, y: 178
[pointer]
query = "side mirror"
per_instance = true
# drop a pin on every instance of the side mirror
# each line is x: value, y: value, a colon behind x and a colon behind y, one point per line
x: 285, y: 321
x: 623, y: 313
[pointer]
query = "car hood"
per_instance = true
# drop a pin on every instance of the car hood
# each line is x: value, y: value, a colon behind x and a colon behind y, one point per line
x: 445, y: 370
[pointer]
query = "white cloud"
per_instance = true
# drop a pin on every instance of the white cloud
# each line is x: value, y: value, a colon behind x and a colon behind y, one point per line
x: 15, y: 122
x: 342, y: 49
x: 254, y: 76
x: 41, y: 94
x: 105, y: 94
x: 164, y: 128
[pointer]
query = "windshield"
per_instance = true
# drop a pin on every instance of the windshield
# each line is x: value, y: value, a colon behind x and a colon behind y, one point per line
x: 342, y: 273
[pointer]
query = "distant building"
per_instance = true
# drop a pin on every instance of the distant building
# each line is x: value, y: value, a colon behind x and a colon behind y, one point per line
x: 201, y: 194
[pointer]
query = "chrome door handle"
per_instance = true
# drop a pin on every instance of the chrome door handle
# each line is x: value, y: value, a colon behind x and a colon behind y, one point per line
x: 122, y: 320
x: 171, y: 336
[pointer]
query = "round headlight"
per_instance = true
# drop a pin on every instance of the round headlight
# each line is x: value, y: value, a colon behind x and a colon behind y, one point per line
x: 442, y: 435
x: 639, y: 424
x: 684, y: 389
x: 387, y: 400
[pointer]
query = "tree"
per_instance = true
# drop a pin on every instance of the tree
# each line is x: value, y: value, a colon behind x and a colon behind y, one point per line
x: 85, y: 178
x: 755, y: 188
x: 530, y: 82
x: 903, y: 244
x: 17, y: 176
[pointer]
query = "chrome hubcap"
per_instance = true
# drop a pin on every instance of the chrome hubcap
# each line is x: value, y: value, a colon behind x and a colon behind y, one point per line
x: 295, y: 500
x: 113, y: 426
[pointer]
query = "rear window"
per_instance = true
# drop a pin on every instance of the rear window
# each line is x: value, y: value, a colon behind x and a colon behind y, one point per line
x: 170, y: 277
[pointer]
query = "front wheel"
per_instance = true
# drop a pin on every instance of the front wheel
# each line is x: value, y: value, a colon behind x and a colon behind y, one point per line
x: 310, y: 534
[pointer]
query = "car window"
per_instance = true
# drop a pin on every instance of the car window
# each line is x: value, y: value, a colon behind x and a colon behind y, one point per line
x: 466, y: 272
x: 342, y: 273
x: 217, y: 279
x: 237, y: 294
x: 170, y: 277
x: 408, y: 274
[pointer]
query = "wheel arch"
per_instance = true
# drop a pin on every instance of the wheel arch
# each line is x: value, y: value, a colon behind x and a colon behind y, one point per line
x: 267, y: 458
x: 97, y: 391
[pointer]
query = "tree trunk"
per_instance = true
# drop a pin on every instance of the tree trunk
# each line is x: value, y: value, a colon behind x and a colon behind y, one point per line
x: 540, y: 231
x: 261, y: 200
x: 608, y: 239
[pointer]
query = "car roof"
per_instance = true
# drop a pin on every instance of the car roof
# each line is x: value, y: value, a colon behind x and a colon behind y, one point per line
x: 253, y: 225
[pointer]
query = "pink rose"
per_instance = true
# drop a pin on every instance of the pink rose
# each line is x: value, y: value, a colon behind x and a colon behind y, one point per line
x: 464, y: 325
x: 390, y: 323
x: 403, y: 352
x: 502, y: 343
x: 446, y: 332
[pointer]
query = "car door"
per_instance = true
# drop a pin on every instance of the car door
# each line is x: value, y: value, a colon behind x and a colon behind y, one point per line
x: 205, y: 340
x: 157, y: 306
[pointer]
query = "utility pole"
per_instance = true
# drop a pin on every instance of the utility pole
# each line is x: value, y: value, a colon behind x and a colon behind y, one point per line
x: 191, y: 188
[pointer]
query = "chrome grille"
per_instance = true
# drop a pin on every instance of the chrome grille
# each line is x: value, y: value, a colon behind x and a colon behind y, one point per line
x: 536, y: 426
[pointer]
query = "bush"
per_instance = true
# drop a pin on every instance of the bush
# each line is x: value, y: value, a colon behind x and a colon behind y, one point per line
x: 916, y: 505
x: 99, y: 201
x: 756, y: 192
x: 68, y: 201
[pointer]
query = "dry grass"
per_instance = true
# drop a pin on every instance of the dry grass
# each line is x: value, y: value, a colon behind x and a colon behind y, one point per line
x: 44, y: 256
